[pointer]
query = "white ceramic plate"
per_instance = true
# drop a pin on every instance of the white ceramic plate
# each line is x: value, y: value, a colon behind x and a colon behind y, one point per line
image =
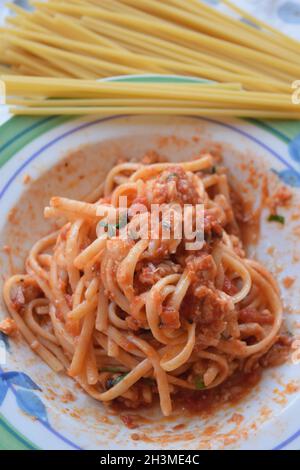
x: 33, y: 414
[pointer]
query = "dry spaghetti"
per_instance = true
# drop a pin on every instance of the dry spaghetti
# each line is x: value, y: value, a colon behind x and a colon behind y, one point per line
x: 88, y: 40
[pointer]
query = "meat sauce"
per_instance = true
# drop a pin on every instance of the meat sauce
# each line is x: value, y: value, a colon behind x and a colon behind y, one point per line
x: 231, y: 392
x: 202, y: 305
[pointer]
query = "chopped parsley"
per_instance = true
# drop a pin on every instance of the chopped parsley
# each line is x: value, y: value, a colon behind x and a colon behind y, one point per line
x: 113, y: 370
x: 112, y: 228
x: 122, y: 222
x: 214, y: 170
x: 119, y: 378
x: 276, y: 218
x: 114, y: 381
x: 199, y: 384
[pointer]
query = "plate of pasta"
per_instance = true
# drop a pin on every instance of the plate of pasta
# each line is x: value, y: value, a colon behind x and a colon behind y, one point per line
x: 150, y: 282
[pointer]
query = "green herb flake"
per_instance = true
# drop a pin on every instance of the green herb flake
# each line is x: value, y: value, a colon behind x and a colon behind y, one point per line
x: 122, y: 222
x: 214, y: 170
x: 118, y: 379
x: 199, y: 384
x: 113, y: 370
x: 276, y: 218
x: 113, y: 227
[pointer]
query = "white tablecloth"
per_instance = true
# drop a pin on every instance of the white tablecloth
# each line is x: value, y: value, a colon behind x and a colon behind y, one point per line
x: 282, y: 14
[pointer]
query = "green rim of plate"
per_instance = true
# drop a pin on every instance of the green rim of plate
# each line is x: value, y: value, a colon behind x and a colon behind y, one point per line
x: 19, y: 131
x: 12, y: 439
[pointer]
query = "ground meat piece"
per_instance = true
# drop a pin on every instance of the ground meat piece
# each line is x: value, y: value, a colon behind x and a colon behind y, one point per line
x: 213, y: 308
x: 281, y: 198
x: 25, y: 292
x: 150, y: 273
x: 174, y: 185
x: 278, y: 354
x: 151, y: 157
x: 68, y: 397
x: 133, y: 323
x: 205, y: 306
x: 190, y: 307
x: 201, y: 291
x: 229, y: 287
x: 201, y: 267
x: 288, y: 281
x: 170, y: 318
x: 128, y: 420
x: 252, y: 315
x: 18, y: 298
x: 212, y: 228
x: 8, y: 326
x: 209, y: 335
